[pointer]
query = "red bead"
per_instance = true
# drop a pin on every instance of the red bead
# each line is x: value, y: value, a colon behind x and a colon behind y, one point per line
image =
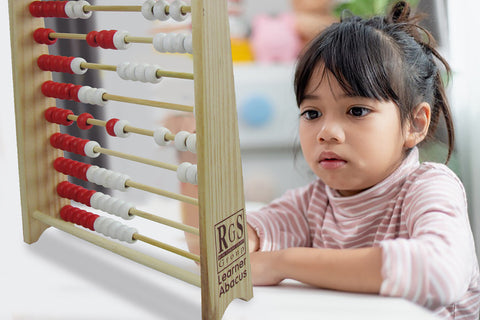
x: 41, y: 35
x: 110, y: 126
x: 74, y: 93
x: 48, y: 9
x: 92, y: 39
x: 35, y: 8
x: 71, y: 167
x: 78, y: 216
x: 82, y: 121
x: 105, y: 39
x: 58, y: 115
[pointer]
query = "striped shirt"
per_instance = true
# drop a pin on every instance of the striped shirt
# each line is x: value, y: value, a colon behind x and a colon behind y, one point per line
x: 417, y: 215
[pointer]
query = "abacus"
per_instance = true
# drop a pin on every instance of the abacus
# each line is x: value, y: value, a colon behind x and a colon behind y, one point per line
x: 43, y: 170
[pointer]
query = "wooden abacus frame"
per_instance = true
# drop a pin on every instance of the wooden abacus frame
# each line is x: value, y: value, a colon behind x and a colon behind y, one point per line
x: 220, y: 184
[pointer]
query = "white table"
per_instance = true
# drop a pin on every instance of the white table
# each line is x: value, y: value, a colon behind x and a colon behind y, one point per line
x: 62, y: 277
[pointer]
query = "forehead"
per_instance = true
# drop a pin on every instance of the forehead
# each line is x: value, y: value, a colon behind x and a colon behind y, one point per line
x: 322, y: 80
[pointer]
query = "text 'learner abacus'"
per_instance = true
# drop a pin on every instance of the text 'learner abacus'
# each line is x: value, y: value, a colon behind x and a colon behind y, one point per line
x: 44, y: 169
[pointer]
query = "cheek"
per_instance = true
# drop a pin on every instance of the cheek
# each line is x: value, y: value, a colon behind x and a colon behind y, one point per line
x: 307, y: 140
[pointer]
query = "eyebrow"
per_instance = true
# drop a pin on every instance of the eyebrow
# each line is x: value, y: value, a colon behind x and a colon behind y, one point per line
x: 317, y: 97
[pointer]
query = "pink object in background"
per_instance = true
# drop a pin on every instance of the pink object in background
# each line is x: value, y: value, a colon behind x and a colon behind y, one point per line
x: 274, y: 39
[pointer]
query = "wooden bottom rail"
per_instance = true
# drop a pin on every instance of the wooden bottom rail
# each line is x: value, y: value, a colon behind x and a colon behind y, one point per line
x: 119, y: 249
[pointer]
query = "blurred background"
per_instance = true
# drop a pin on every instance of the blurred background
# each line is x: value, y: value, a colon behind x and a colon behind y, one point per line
x: 266, y: 38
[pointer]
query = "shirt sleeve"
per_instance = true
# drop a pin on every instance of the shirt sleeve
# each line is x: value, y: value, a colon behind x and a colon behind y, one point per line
x: 435, y: 265
x: 283, y: 223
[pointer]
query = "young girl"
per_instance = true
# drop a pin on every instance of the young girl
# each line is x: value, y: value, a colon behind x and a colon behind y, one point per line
x: 375, y: 220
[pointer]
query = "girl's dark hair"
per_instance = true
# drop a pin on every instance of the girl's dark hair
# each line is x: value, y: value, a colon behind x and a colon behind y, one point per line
x: 387, y: 58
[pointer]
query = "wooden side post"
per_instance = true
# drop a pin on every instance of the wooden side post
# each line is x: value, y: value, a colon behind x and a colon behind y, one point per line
x: 38, y: 179
x: 225, y: 264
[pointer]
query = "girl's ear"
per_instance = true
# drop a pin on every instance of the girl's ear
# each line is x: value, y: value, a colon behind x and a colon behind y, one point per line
x: 417, y: 128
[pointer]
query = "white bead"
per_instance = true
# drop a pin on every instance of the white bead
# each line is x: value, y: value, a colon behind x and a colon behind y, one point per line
x: 114, y: 229
x: 69, y: 9
x: 90, y: 95
x: 175, y: 10
x: 151, y: 74
x: 191, y: 174
x: 119, y: 129
x: 178, y: 41
x: 98, y: 97
x: 187, y: 44
x: 78, y: 10
x: 124, y: 211
x: 107, y: 178
x: 168, y: 42
x: 75, y: 66
x: 111, y: 205
x: 181, y: 140
x: 130, y: 71
x: 159, y: 136
x: 158, y: 42
x: 82, y: 93
x: 147, y: 10
x: 182, y: 171
x: 139, y: 72
x: 89, y: 149
x: 192, y: 143
x: 122, y: 70
x: 159, y: 10
x: 119, y: 40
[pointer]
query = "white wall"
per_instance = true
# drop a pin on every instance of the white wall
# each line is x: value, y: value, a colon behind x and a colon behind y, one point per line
x: 464, y: 25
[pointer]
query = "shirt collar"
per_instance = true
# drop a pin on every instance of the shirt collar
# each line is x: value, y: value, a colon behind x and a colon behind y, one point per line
x: 384, y: 189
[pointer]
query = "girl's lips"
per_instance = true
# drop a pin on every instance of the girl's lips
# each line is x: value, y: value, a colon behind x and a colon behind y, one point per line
x: 330, y: 160
x: 331, y: 164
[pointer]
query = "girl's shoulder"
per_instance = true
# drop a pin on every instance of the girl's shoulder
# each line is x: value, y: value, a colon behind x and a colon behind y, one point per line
x: 432, y: 171
x: 435, y: 180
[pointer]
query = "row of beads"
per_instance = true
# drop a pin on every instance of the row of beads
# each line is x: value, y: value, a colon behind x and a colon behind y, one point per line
x: 74, y: 192
x: 71, y: 167
x: 91, y: 173
x: 114, y: 127
x: 94, y: 222
x: 173, y: 42
x: 116, y: 40
x: 138, y: 72
x: 58, y: 115
x: 48, y: 62
x: 65, y: 91
x: 73, y: 144
x: 152, y: 10
x: 59, y: 9
x: 107, y: 178
x: 108, y: 39
x: 95, y: 199
x: 183, y: 141
x: 69, y: 91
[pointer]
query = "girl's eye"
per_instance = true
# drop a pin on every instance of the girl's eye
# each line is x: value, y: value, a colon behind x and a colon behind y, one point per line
x: 358, y: 111
x: 310, y: 114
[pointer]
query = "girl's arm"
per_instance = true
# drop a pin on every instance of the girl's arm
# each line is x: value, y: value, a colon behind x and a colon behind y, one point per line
x: 356, y: 270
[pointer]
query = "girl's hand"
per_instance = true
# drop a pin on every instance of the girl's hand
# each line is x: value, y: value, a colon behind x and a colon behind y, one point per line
x: 265, y: 268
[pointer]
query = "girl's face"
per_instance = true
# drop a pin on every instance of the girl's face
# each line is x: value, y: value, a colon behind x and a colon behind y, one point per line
x: 350, y: 143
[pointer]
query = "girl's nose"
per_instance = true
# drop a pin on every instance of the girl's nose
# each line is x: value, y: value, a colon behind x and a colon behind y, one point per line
x: 331, y: 132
